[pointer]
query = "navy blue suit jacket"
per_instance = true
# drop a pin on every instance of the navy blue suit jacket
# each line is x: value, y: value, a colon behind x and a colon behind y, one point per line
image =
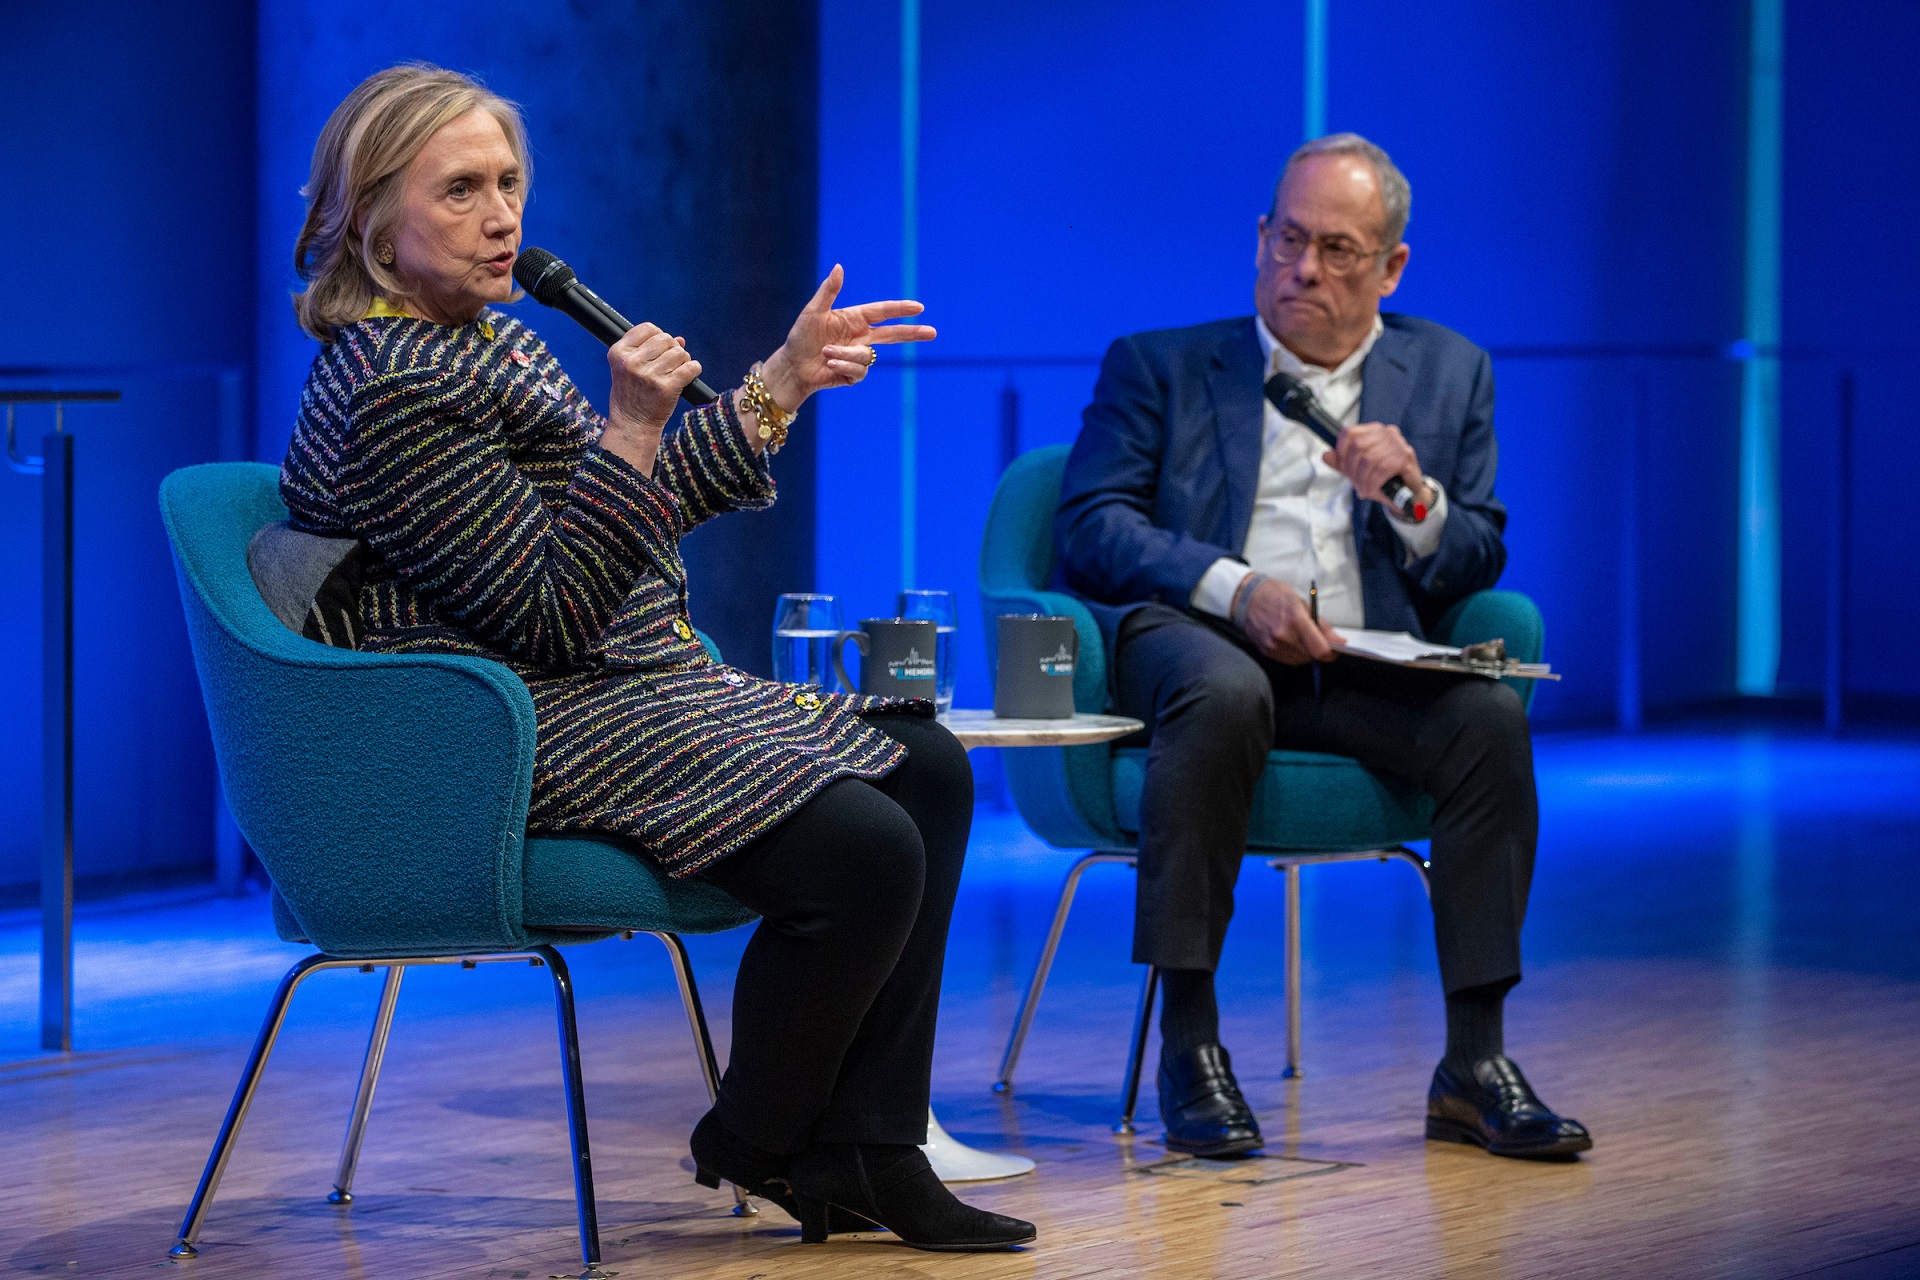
x: 1161, y: 482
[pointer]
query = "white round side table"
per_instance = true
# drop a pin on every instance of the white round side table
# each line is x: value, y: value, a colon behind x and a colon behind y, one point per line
x: 953, y: 1160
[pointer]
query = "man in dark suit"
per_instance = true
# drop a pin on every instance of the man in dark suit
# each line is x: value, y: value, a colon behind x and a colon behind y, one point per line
x: 1194, y: 521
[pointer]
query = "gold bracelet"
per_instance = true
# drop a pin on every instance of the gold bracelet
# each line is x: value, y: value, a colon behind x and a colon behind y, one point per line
x: 773, y: 422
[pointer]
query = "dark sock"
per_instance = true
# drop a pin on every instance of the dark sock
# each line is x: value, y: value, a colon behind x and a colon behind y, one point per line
x: 1189, y: 1016
x: 1475, y: 1025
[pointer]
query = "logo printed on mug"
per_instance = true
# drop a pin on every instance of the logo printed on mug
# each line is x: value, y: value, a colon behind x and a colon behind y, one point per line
x: 911, y: 667
x: 1060, y: 664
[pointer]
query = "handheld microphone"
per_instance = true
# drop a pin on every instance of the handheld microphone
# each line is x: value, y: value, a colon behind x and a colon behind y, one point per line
x: 1294, y: 400
x: 553, y: 284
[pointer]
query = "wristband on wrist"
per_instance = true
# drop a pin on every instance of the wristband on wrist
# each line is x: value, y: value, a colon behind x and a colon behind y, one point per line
x: 1243, y: 598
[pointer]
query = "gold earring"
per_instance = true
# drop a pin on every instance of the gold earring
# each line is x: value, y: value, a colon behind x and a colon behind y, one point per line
x: 383, y: 254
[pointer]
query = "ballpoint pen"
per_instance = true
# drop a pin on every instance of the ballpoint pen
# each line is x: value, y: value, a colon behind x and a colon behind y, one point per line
x: 1313, y: 614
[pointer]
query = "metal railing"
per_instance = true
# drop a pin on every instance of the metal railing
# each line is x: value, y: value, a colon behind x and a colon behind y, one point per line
x: 54, y: 466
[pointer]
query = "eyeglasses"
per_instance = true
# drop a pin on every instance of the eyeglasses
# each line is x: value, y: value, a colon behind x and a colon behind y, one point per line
x: 1339, y: 256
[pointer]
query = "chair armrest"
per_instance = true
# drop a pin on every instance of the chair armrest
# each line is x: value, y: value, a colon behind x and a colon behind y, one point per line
x: 1064, y: 793
x: 1505, y: 615
x: 386, y: 794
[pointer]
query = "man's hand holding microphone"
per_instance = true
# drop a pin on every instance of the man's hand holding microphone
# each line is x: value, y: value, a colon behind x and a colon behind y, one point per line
x: 1370, y: 454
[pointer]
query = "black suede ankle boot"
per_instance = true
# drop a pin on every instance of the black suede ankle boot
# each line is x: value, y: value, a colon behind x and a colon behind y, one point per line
x: 896, y: 1187
x: 718, y: 1154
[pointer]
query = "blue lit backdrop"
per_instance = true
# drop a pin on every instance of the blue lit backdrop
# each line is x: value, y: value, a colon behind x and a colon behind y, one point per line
x: 1580, y: 181
x: 1083, y: 170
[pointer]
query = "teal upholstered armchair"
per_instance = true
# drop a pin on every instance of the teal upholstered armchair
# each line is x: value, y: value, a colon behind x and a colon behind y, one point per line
x: 1308, y: 807
x: 387, y: 798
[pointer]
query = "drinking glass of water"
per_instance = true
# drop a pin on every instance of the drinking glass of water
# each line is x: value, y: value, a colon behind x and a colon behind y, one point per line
x: 804, y: 626
x: 940, y: 608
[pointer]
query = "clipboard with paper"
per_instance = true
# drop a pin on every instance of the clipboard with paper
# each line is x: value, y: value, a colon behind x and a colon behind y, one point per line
x: 1398, y: 647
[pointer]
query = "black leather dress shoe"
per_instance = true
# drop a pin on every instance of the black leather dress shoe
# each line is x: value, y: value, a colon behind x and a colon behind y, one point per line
x: 1497, y: 1109
x: 1201, y: 1105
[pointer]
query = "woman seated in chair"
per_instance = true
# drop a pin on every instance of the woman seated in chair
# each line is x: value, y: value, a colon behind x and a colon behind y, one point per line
x: 505, y: 518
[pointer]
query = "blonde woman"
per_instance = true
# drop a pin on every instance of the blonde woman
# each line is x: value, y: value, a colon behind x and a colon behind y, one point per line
x: 504, y: 517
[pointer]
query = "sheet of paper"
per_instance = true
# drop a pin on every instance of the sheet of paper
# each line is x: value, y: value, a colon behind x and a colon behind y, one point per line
x: 1390, y: 646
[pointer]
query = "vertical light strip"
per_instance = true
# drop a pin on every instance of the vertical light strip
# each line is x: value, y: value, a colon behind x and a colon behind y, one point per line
x: 1315, y: 111
x: 909, y: 286
x: 1758, y: 638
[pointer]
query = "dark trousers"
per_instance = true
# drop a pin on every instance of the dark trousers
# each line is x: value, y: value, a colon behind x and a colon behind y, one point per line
x: 1214, y: 707
x: 837, y: 994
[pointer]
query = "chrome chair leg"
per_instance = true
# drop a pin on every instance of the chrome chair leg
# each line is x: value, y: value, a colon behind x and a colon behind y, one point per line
x: 1293, y: 965
x: 696, y: 1015
x: 702, y: 1039
x: 1136, y: 1059
x: 1030, y: 1003
x: 1290, y: 865
x: 369, y: 1078
x: 237, y: 1110
x: 576, y: 1111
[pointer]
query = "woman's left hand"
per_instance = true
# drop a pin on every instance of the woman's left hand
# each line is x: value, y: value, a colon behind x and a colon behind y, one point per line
x: 830, y: 347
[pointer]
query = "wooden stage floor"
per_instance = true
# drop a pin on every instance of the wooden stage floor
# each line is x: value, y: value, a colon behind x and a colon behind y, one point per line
x: 1724, y: 984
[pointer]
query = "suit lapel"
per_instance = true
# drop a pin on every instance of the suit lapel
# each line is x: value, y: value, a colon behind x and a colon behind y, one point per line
x: 1239, y: 419
x: 1386, y: 389
x: 1386, y: 380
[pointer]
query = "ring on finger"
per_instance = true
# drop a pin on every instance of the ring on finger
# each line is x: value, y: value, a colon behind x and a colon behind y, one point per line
x: 873, y: 356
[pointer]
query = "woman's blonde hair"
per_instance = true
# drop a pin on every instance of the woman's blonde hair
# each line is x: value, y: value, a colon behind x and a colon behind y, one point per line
x: 359, y: 169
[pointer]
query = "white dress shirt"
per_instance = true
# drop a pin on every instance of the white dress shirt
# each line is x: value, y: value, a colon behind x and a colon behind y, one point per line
x: 1302, y: 526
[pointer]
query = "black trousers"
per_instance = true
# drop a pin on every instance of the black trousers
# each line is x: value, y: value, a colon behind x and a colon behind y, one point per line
x: 1214, y: 707
x: 837, y: 994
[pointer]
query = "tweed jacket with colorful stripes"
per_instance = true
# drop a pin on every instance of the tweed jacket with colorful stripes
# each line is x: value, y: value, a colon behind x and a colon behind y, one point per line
x: 470, y: 465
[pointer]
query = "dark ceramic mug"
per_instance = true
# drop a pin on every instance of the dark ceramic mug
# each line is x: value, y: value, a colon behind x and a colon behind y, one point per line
x: 1033, y: 679
x: 896, y: 657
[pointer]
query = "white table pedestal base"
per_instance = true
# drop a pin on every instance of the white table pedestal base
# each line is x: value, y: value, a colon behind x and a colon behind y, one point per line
x: 954, y: 1161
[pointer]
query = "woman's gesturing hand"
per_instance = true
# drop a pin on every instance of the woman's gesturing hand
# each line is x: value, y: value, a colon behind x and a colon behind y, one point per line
x: 829, y: 347
x: 650, y: 369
